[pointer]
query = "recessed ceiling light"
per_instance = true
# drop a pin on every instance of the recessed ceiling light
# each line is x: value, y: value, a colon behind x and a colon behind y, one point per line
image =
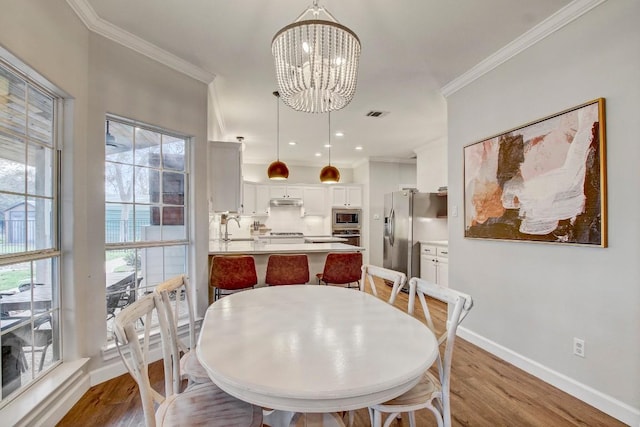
x: 318, y: 154
x: 327, y: 145
x: 292, y: 143
x: 339, y: 133
x: 359, y: 147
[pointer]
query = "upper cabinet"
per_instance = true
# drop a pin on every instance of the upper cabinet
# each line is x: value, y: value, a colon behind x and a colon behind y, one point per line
x: 349, y: 196
x: 255, y: 199
x: 248, y: 198
x: 285, y: 192
x: 225, y: 176
x: 314, y: 201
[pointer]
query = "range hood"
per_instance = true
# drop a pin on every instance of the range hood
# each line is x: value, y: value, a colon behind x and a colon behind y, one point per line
x: 285, y: 202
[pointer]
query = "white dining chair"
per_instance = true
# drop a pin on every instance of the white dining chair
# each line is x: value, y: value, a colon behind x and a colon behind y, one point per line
x: 370, y: 272
x: 201, y: 404
x: 431, y: 393
x: 176, y: 297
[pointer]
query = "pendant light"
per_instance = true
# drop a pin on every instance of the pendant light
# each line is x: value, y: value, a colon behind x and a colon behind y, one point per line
x: 329, y: 174
x: 278, y: 170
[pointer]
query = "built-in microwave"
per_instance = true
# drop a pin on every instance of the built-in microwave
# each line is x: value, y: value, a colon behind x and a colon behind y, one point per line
x: 346, y: 218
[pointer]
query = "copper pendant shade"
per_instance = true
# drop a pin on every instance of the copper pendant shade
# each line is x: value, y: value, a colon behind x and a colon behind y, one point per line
x: 329, y: 174
x: 278, y: 170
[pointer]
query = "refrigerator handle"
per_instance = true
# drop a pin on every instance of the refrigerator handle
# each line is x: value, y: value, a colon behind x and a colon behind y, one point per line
x: 392, y: 227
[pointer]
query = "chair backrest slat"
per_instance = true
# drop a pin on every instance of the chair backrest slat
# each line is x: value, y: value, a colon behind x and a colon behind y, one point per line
x: 171, y: 293
x: 458, y: 306
x: 135, y: 353
x: 369, y: 272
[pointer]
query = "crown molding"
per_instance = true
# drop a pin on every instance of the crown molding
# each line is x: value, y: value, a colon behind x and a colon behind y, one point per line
x: 553, y: 23
x: 99, y: 26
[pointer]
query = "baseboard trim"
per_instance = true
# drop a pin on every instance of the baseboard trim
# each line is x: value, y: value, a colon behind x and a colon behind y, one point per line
x: 605, y: 403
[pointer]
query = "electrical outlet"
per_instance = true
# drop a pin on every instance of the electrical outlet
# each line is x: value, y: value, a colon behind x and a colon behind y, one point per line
x: 578, y: 347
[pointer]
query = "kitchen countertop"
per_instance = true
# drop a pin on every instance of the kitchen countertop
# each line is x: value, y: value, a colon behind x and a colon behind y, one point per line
x: 218, y: 247
x: 324, y: 239
x: 435, y: 242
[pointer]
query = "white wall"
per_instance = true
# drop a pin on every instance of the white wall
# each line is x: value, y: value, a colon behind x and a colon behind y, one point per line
x: 431, y: 166
x: 101, y: 77
x: 50, y: 38
x: 361, y: 175
x: 127, y: 84
x: 532, y: 299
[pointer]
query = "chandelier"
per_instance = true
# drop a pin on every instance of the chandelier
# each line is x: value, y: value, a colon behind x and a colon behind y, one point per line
x: 316, y: 60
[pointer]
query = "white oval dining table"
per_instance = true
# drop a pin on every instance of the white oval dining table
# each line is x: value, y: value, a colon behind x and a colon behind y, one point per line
x: 310, y: 348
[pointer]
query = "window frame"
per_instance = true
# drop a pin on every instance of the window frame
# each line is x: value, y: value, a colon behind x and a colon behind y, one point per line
x: 136, y: 244
x: 33, y: 81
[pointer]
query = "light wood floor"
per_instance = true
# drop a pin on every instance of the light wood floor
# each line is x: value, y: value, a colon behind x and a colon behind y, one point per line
x: 485, y: 391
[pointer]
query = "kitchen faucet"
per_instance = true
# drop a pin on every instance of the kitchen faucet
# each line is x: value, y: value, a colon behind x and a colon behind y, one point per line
x: 224, y: 220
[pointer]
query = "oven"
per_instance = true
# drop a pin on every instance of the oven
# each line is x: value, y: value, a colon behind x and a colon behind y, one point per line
x: 346, y: 218
x: 352, y: 235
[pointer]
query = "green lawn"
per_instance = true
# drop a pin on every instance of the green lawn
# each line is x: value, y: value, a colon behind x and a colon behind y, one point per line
x: 10, y: 279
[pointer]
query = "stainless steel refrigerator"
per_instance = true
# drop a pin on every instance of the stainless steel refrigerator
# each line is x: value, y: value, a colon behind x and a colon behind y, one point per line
x: 401, y: 210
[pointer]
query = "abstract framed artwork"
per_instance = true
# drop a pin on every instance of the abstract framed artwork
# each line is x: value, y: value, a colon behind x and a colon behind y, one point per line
x: 542, y: 182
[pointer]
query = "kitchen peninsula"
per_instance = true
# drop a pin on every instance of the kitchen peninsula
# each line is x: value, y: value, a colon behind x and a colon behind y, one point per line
x: 316, y: 252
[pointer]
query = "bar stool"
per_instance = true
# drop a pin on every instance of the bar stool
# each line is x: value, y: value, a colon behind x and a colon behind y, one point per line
x: 287, y: 270
x: 341, y: 268
x: 231, y: 273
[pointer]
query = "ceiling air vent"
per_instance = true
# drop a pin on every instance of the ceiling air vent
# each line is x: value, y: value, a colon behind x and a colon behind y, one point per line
x: 377, y: 114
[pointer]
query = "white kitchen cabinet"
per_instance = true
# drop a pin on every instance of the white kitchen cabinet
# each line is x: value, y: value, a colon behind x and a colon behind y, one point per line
x: 314, y: 201
x: 346, y: 196
x: 285, y: 192
x: 248, y: 198
x: 434, y: 264
x: 224, y: 173
x: 262, y: 199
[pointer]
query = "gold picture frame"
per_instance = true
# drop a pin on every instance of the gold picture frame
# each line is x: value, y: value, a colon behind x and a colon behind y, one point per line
x: 541, y: 182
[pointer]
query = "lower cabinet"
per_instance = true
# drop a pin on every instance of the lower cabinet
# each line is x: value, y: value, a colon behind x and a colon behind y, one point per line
x: 434, y: 264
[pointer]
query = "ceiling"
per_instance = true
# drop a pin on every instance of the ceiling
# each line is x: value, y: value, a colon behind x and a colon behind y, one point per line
x: 411, y: 49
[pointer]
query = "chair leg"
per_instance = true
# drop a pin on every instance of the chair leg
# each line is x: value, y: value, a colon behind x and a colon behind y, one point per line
x: 352, y: 417
x: 412, y: 419
x: 44, y: 353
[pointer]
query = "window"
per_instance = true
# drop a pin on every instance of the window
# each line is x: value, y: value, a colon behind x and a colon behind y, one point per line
x: 146, y: 210
x: 29, y: 247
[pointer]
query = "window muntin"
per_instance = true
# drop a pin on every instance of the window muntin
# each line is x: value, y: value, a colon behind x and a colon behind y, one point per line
x: 146, y: 210
x: 29, y: 251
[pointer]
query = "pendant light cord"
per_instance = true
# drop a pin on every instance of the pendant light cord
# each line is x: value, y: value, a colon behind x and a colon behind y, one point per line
x: 329, y: 138
x: 277, y: 95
